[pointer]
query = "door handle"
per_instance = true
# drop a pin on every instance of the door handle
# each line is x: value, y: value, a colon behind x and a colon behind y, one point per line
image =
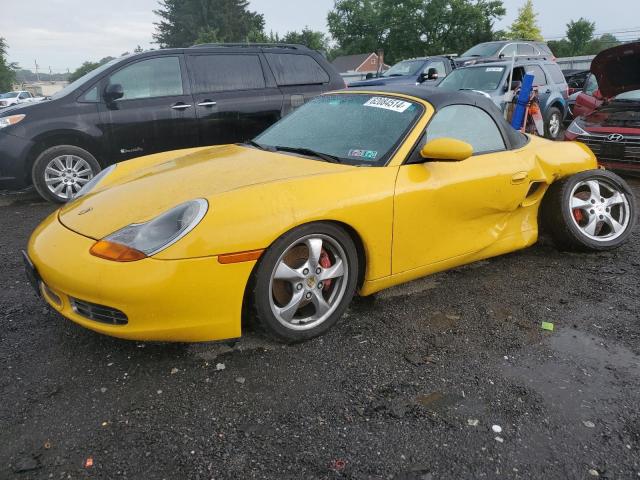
x: 207, y: 103
x: 181, y: 106
x: 519, y: 178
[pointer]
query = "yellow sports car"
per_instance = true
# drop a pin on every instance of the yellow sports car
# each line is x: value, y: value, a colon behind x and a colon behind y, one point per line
x: 356, y: 191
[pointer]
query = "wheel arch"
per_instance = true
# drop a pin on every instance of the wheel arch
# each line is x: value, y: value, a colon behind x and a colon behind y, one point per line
x: 63, y: 137
x: 349, y: 230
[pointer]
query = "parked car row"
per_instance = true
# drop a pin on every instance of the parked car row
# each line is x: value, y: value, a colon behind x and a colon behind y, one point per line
x: 153, y: 102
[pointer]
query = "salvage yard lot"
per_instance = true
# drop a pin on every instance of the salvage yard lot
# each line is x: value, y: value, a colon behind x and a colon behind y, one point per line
x: 408, y: 385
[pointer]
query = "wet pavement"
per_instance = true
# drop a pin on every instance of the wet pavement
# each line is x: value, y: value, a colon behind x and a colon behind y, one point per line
x: 447, y: 377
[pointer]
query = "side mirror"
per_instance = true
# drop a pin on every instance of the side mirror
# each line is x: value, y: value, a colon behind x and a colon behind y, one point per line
x: 501, y: 56
x: 369, y: 76
x: 432, y: 74
x: 113, y: 92
x: 446, y: 149
x: 514, y: 86
x: 597, y: 95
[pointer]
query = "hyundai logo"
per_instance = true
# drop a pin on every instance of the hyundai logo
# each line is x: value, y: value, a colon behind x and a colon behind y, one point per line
x: 615, y: 137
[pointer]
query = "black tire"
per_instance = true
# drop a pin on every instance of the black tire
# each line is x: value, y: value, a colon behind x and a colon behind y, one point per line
x: 560, y: 221
x: 260, y: 290
x: 552, y: 113
x: 39, y: 177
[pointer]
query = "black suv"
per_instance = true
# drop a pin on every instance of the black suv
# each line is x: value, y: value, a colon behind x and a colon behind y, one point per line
x: 152, y: 102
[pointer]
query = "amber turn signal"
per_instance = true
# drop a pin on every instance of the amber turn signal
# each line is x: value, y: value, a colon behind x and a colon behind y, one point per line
x: 116, y: 252
x: 239, y: 257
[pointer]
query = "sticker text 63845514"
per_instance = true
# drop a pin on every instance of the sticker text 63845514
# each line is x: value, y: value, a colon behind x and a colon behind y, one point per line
x: 388, y: 104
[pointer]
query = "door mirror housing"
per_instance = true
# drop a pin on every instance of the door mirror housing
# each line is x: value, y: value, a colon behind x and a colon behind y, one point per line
x: 369, y: 76
x: 432, y: 74
x: 113, y: 92
x: 446, y: 149
x: 597, y: 95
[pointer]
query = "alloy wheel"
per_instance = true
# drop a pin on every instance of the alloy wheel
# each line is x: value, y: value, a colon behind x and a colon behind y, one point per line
x: 65, y: 175
x: 599, y: 210
x: 308, y: 282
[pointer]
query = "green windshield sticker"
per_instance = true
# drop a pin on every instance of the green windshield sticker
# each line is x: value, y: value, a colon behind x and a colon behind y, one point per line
x: 366, y: 154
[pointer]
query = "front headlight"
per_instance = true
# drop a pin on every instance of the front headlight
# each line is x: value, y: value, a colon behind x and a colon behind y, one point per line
x: 140, y: 240
x: 91, y: 184
x: 10, y: 120
x: 576, y: 129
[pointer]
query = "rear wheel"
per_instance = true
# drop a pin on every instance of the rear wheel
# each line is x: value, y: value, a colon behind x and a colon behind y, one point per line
x: 593, y: 210
x: 60, y: 172
x: 305, y: 281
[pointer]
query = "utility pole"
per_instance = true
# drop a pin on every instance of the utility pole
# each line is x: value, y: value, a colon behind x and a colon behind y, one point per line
x: 37, y: 74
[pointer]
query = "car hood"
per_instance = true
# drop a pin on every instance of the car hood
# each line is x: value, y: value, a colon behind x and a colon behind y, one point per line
x: 404, y: 80
x: 617, y: 114
x: 141, y: 190
x: 618, y: 69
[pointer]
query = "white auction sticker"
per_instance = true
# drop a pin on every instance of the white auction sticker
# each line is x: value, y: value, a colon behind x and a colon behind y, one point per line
x: 388, y: 104
x: 494, y: 69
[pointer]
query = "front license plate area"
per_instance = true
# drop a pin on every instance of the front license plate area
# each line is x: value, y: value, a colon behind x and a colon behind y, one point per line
x: 31, y: 273
x: 613, y: 150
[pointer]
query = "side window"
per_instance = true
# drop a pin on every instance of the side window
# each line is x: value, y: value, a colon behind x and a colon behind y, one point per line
x: 292, y: 69
x: 23, y: 96
x: 91, y: 95
x: 591, y: 85
x: 469, y: 124
x: 222, y: 73
x: 510, y: 50
x: 556, y: 73
x: 155, y: 77
x: 539, y: 77
x: 525, y: 49
x: 439, y: 66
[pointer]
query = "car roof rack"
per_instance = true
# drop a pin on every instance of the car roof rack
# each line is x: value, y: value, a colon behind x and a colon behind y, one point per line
x: 291, y: 46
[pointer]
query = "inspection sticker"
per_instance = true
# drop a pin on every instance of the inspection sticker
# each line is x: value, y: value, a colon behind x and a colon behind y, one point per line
x: 494, y: 69
x: 388, y: 104
x: 367, y: 154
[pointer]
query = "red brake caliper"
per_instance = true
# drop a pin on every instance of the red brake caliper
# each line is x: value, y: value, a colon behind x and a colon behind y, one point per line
x: 325, y: 262
x: 578, y: 215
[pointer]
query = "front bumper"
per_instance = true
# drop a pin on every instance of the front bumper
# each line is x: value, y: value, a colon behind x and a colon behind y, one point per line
x: 187, y: 300
x: 14, y: 154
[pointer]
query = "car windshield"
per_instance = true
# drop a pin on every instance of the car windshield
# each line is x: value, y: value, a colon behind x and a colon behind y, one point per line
x: 406, y: 67
x: 485, y: 78
x: 84, y: 79
x: 632, y: 96
x: 9, y: 95
x: 483, y: 50
x: 350, y: 128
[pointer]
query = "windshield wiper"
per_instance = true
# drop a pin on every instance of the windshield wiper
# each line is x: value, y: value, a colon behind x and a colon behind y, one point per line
x: 307, y: 151
x: 259, y: 146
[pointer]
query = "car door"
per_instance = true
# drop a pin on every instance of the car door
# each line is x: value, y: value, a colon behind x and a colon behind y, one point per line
x: 540, y: 82
x: 586, y: 101
x: 448, y: 209
x: 24, y: 97
x: 234, y: 102
x: 155, y: 113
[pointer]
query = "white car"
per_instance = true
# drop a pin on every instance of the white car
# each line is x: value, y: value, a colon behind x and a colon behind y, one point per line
x: 14, y: 98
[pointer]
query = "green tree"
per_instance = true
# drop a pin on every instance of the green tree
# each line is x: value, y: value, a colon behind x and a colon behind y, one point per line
x: 525, y: 26
x: 411, y: 27
x: 560, y: 48
x: 187, y: 22
x: 309, y: 38
x: 602, y: 43
x: 579, y: 34
x: 7, y: 70
x: 87, y: 67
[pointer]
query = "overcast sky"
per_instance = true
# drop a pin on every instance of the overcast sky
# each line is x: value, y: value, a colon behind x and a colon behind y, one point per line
x: 62, y: 34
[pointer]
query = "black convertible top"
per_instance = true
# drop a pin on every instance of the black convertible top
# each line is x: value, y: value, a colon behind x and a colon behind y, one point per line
x: 440, y: 98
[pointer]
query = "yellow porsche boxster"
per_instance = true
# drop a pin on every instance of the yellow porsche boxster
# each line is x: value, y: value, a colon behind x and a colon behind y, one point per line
x: 354, y: 192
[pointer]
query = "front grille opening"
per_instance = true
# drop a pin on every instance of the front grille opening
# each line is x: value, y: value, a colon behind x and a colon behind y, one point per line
x: 52, y: 295
x: 99, y: 313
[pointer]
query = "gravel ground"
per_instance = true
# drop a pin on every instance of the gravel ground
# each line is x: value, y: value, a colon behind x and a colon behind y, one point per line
x: 409, y: 385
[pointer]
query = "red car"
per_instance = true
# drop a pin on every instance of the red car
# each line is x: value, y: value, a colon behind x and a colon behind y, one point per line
x: 610, y: 109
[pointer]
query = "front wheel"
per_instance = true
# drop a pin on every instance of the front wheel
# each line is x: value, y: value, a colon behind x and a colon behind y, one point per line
x: 305, y: 281
x: 593, y: 210
x: 553, y: 124
x: 60, y: 172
